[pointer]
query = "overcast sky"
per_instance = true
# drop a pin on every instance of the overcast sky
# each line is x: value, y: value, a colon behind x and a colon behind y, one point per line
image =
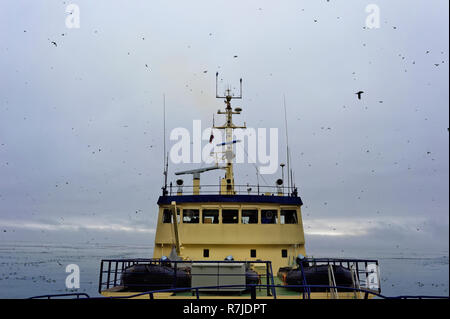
x: 81, y: 151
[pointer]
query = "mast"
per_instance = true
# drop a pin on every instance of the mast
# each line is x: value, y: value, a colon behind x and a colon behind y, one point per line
x: 287, y: 144
x: 166, y: 156
x: 227, y: 184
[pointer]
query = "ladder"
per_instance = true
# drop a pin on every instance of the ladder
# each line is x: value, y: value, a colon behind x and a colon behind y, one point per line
x: 355, y: 282
x: 332, y: 283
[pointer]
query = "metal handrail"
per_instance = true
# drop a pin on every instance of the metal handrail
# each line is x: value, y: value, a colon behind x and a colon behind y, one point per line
x: 238, y: 190
x: 109, y: 283
x: 113, y: 268
x: 151, y: 293
x: 253, y: 286
x: 77, y: 294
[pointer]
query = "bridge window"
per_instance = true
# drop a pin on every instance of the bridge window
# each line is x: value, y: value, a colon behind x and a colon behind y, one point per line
x: 268, y: 216
x: 249, y: 216
x: 191, y: 216
x: 167, y: 215
x: 253, y: 253
x: 288, y: 216
x: 284, y: 253
x: 210, y: 216
x: 206, y: 253
x: 229, y: 216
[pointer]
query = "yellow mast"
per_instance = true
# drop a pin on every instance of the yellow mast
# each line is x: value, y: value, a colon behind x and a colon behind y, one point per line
x: 227, y: 184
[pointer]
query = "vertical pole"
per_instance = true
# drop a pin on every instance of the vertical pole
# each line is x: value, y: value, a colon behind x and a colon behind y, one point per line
x: 175, y: 227
x: 287, y: 141
x: 115, y: 273
x: 109, y: 275
x: 101, y: 278
x: 253, y: 292
x: 164, y: 154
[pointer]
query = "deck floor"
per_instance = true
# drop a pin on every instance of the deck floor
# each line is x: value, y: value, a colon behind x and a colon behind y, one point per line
x: 261, y: 293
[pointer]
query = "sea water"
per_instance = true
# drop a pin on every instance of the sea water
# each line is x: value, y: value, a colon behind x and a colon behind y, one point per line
x: 29, y: 269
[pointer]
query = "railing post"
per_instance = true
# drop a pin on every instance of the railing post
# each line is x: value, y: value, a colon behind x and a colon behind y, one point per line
x: 274, y: 291
x: 357, y: 270
x: 115, y: 273
x: 101, y: 278
x: 109, y: 275
x: 175, y: 275
x: 253, y: 292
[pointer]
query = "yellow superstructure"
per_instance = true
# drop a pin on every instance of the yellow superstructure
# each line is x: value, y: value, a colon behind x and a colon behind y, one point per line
x: 279, y: 239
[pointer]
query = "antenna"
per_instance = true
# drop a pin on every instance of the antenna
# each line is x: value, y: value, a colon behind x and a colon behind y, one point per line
x: 164, y: 126
x: 257, y: 178
x: 228, y: 90
x: 217, y: 74
x: 166, y: 156
x: 287, y: 142
x: 240, y: 89
x: 167, y: 170
x: 292, y: 179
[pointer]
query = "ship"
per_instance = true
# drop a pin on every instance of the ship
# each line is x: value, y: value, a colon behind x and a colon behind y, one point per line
x: 235, y: 241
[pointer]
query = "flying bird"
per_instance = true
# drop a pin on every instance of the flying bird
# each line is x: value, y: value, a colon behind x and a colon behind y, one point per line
x: 54, y: 43
x: 359, y: 94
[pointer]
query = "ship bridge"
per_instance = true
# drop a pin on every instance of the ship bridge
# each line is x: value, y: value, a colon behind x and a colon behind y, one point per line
x: 247, y: 227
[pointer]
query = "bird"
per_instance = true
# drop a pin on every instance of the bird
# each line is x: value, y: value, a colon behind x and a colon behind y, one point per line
x: 359, y: 94
x: 54, y: 43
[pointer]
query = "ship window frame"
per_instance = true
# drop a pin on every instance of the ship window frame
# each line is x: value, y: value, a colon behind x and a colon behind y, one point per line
x: 274, y: 219
x: 284, y: 253
x: 234, y: 220
x: 283, y: 217
x: 197, y: 214
x: 166, y: 216
x: 206, y: 253
x: 215, y: 220
x: 254, y: 210
x: 252, y: 253
x: 168, y: 210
